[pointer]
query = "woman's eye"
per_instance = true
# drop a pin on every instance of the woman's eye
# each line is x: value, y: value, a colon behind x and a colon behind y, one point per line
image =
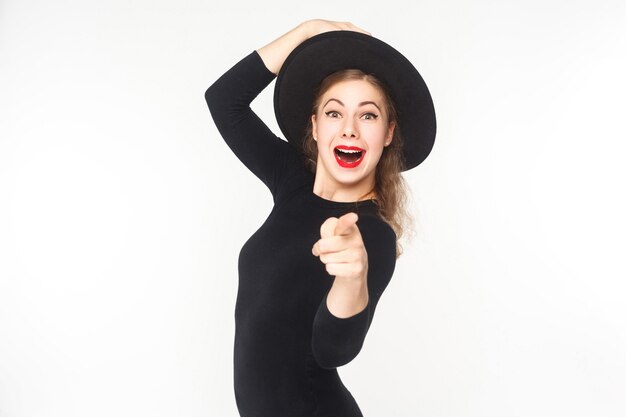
x: 332, y: 113
x: 370, y: 116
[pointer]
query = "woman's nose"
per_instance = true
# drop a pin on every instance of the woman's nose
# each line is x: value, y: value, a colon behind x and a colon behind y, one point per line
x: 348, y: 131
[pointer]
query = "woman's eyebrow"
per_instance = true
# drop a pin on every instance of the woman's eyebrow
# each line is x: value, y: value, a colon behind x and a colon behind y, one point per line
x: 363, y: 103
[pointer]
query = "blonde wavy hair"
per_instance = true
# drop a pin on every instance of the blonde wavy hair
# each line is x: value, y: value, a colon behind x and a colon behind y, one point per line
x: 392, y: 195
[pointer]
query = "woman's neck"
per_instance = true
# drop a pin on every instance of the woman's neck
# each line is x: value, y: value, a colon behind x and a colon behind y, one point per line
x: 343, y: 194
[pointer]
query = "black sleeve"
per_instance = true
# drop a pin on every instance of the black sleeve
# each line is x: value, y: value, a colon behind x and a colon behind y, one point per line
x: 267, y: 156
x: 336, y: 341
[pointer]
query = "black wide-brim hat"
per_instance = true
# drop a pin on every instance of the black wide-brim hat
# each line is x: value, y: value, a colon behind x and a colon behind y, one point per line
x: 321, y: 55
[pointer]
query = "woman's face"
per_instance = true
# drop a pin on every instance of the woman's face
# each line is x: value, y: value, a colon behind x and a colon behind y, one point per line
x: 351, y: 129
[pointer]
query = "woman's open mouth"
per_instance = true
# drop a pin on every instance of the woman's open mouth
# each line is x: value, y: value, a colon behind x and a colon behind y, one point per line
x: 349, y: 156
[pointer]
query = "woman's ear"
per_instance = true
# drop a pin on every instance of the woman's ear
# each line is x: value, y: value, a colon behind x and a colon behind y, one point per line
x: 314, y: 127
x: 390, y: 130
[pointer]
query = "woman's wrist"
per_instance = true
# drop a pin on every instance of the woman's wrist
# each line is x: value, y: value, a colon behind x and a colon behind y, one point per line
x: 306, y: 28
x: 313, y: 27
x: 275, y: 53
x: 347, y: 297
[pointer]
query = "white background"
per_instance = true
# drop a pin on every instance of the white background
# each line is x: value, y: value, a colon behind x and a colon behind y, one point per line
x: 122, y: 211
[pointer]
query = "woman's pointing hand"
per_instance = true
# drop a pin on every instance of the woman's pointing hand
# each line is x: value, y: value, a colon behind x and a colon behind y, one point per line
x: 341, y: 248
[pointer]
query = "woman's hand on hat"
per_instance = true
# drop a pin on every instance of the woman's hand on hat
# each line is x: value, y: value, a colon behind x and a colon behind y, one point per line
x: 275, y: 53
x: 317, y: 26
x: 341, y: 248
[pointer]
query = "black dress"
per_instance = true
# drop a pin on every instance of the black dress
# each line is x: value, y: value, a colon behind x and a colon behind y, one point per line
x: 287, y: 343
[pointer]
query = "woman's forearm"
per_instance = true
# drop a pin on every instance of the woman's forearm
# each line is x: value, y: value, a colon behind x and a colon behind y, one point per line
x: 347, y: 298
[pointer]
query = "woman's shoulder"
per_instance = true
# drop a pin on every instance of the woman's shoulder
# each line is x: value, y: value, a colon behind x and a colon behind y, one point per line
x: 375, y: 229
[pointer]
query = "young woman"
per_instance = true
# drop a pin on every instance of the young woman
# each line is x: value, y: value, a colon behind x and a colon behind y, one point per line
x: 311, y: 276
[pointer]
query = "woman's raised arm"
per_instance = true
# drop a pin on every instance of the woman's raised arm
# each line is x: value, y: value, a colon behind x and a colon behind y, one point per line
x: 261, y: 151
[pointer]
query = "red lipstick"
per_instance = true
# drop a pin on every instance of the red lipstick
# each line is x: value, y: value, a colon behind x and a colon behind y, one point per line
x: 349, y: 156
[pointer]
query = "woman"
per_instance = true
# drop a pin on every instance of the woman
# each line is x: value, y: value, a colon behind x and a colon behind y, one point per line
x: 310, y: 278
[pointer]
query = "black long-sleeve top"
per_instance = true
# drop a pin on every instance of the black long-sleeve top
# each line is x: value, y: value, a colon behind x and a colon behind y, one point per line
x: 287, y: 343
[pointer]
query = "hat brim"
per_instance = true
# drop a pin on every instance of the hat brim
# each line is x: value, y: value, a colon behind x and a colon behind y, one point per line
x: 321, y: 55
